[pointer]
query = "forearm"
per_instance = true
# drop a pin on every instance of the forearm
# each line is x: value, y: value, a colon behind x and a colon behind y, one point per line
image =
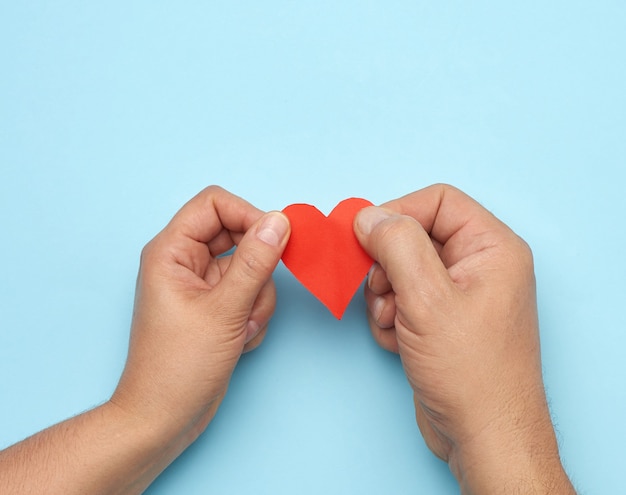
x: 103, y: 451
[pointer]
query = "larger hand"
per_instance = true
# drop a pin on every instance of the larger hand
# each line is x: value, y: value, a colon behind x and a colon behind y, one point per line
x: 454, y: 294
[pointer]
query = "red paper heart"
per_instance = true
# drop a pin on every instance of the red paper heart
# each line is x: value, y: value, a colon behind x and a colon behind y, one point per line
x: 324, y: 254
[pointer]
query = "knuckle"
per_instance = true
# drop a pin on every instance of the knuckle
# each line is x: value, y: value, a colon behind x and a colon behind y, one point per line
x: 208, y: 196
x: 150, y: 259
x: 154, y: 254
x: 395, y: 230
x: 254, y: 265
x: 518, y: 258
x: 213, y: 190
x: 526, y: 258
x: 526, y: 252
x: 148, y: 253
x: 444, y: 189
x: 523, y: 252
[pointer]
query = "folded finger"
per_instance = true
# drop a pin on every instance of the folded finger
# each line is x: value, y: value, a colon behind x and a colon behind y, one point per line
x: 382, y: 308
x: 457, y: 224
x: 377, y: 280
x: 212, y: 210
x: 384, y: 337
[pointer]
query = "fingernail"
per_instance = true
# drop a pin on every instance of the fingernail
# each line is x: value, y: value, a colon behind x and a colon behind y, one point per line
x: 377, y: 308
x: 252, y: 328
x: 370, y: 275
x: 369, y: 217
x: 273, y: 229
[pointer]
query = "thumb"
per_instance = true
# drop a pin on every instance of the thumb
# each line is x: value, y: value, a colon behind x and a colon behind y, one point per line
x: 405, y: 251
x: 254, y: 261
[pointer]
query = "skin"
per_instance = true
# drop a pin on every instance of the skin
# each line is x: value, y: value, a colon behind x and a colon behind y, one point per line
x: 195, y: 314
x: 452, y: 292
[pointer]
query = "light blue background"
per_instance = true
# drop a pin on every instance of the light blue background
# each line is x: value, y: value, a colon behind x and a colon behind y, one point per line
x: 113, y: 114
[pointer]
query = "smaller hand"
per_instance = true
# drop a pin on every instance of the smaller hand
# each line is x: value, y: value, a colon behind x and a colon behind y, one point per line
x: 196, y: 311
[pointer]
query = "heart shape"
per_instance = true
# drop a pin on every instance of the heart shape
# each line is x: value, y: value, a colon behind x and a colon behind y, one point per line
x: 323, y: 253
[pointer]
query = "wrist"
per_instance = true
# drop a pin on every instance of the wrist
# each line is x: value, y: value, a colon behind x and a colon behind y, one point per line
x: 163, y: 413
x: 522, y: 461
x: 146, y: 445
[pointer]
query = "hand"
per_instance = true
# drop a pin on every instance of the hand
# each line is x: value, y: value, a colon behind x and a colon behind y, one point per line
x: 454, y: 293
x: 195, y: 312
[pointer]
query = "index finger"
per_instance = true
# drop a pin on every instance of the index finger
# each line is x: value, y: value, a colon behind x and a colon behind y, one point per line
x: 457, y: 224
x: 212, y: 211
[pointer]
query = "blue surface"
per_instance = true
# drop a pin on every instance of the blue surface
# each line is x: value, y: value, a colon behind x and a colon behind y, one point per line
x: 113, y: 114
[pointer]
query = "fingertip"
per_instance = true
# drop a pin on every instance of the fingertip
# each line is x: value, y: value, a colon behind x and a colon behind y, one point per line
x: 256, y: 340
x: 370, y: 274
x: 403, y: 249
x: 382, y: 309
x: 369, y: 217
x: 377, y: 280
x: 273, y: 228
x: 385, y: 337
x: 377, y: 308
x: 252, y: 329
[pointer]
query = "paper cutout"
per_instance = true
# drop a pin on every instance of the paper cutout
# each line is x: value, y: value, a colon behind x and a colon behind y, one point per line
x: 324, y: 254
